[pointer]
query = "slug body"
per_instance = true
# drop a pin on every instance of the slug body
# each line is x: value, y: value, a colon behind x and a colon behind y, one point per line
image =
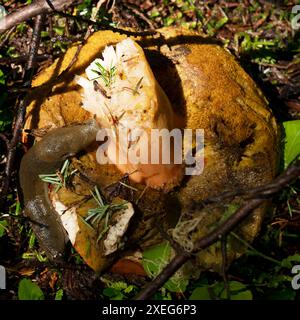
x: 45, y: 157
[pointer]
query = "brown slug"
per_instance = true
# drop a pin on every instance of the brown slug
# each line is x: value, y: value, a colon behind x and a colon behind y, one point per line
x: 45, y: 157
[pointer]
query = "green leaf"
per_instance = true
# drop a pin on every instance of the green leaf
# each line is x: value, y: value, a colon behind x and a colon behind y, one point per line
x: 129, y: 289
x: 59, y: 30
x: 292, y: 141
x: 21, y: 27
x: 85, y: 7
x: 119, y: 296
x: 44, y: 34
x: 221, y: 23
x: 282, y: 294
x: 118, y: 285
x: 31, y: 241
x: 3, y: 225
x: 200, y: 293
x: 155, y: 259
x: 110, y: 292
x: 29, y: 291
x: 238, y: 291
x: 169, y: 21
x: 287, y: 262
x: 59, y: 294
x: 154, y: 14
x: 113, y: 294
x: 2, y: 77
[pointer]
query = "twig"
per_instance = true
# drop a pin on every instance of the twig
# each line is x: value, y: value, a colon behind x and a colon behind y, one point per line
x: 141, y: 195
x: 3, y: 138
x: 99, y: 24
x: 24, y: 58
x: 55, y: 6
x: 91, y: 22
x: 293, y: 104
x: 272, y: 65
x: 222, y: 230
x: 224, y: 266
x: 87, y: 34
x: 36, y: 8
x: 19, y: 119
x: 180, y: 259
x: 258, y: 253
x: 141, y: 15
x: 8, y: 34
x: 268, y: 189
x: 33, y: 50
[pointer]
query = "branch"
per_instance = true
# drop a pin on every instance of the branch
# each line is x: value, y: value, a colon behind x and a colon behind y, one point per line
x: 4, y: 139
x: 32, y: 10
x: 8, y: 34
x: 101, y: 26
x: 225, y: 265
x: 266, y: 190
x: 87, y: 34
x: 24, y: 58
x: 19, y: 119
x: 179, y: 260
x: 57, y: 6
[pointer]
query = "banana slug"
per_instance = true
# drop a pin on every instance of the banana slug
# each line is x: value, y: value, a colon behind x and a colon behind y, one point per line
x: 45, y: 157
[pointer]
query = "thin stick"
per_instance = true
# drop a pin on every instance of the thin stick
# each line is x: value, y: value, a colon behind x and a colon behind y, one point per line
x: 36, y: 8
x: 281, y: 181
x: 263, y: 191
x: 24, y: 58
x: 87, y: 34
x: 141, y: 15
x: 224, y: 266
x: 57, y: 6
x: 20, y: 117
x: 8, y: 34
x: 6, y: 141
x: 180, y: 259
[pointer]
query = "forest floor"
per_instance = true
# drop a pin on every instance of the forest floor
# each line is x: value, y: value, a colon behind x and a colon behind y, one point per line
x: 260, y: 35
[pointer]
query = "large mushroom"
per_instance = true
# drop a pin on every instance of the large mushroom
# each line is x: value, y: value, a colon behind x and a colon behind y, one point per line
x: 193, y: 83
